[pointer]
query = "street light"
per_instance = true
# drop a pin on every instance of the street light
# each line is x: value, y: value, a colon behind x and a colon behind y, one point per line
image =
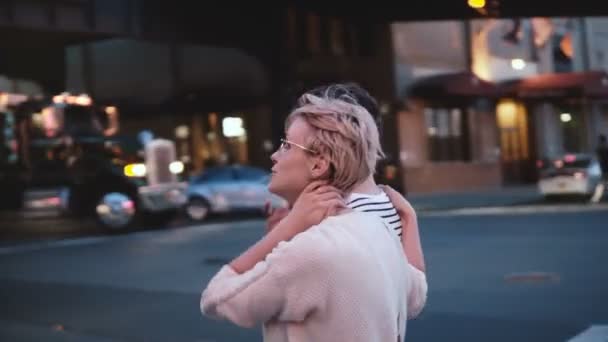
x: 565, y: 117
x: 518, y: 64
x: 476, y: 3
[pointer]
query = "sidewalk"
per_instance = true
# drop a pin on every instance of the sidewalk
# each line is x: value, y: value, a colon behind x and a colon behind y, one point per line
x: 505, y: 196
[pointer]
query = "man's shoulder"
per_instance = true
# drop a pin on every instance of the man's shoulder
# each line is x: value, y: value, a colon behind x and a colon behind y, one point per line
x: 353, y: 218
x: 323, y: 234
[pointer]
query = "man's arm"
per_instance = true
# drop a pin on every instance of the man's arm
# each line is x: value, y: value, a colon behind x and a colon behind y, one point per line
x: 410, y: 239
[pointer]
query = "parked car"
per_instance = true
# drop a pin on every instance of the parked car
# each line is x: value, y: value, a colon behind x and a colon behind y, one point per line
x: 570, y: 174
x: 227, y: 189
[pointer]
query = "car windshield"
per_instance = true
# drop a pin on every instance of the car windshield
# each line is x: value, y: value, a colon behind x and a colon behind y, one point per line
x: 246, y: 173
x: 219, y: 174
x: 578, y: 163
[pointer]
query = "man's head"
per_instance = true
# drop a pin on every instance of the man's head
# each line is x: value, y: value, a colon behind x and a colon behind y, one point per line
x: 348, y: 92
x: 326, y: 138
x: 602, y: 139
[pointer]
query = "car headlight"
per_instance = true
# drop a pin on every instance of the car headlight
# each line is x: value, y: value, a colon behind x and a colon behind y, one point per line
x: 176, y: 167
x: 135, y: 170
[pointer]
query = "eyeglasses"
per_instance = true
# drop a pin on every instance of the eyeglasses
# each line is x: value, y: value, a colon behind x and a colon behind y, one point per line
x: 286, y: 145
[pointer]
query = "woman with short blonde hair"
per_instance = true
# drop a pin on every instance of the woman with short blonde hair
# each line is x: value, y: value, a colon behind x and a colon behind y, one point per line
x: 325, y: 272
x: 346, y: 133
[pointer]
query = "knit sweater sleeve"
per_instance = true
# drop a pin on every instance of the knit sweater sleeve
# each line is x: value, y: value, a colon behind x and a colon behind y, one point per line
x: 286, y: 286
x: 417, y: 292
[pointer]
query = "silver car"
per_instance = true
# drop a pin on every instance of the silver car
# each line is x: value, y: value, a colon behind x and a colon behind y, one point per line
x: 571, y: 174
x: 227, y: 189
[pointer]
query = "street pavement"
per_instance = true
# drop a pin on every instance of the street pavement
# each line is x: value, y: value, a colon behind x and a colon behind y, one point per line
x: 500, y: 276
x: 492, y: 197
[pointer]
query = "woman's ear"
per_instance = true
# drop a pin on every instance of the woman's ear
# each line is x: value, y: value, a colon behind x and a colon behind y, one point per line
x: 320, y: 168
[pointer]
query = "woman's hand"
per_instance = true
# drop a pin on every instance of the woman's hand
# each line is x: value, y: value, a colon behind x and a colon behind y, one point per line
x: 274, y: 215
x: 316, y: 202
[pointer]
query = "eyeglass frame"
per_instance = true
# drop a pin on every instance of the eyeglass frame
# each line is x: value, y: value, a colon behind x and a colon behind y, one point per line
x: 289, y: 143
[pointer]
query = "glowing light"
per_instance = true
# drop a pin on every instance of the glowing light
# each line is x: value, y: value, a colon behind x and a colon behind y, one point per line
x: 506, y: 112
x: 103, y: 209
x: 182, y: 131
x: 111, y: 110
x: 113, y: 123
x: 565, y: 117
x: 3, y: 100
x: 518, y: 64
x: 579, y: 175
x: 569, y: 158
x: 129, y: 207
x: 60, y: 98
x: 233, y: 127
x: 81, y: 100
x: 176, y: 167
x: 135, y: 170
x: 476, y: 3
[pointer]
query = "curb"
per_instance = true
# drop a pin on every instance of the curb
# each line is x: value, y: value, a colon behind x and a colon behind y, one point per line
x: 515, y: 209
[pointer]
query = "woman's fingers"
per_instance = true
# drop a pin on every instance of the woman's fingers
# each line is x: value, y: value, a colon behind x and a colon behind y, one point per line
x: 329, y: 196
x: 334, y: 206
x: 314, y: 185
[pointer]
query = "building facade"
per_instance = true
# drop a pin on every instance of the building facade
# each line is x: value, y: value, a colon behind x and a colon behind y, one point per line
x: 548, y: 98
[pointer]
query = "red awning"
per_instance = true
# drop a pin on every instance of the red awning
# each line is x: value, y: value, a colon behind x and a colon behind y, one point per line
x: 461, y: 84
x: 574, y: 84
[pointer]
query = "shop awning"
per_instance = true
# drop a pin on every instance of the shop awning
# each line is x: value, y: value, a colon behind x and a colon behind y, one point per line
x: 453, y: 85
x: 574, y: 84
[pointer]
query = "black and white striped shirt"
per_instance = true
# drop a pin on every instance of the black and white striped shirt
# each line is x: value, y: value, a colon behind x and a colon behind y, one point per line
x: 378, y: 204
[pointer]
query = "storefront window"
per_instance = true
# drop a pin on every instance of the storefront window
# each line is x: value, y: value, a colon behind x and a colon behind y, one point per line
x: 219, y: 139
x: 446, y: 134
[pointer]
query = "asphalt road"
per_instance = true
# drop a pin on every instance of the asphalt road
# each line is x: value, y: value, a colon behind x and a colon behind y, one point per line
x: 494, y: 276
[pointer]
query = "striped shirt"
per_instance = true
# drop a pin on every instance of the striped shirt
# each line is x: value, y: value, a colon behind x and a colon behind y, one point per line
x: 378, y: 204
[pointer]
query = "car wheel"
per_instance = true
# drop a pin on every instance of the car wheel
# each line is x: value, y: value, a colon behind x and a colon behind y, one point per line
x: 115, y: 211
x: 197, y: 209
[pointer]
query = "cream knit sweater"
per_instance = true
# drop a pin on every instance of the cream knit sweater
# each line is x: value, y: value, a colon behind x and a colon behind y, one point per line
x: 346, y: 279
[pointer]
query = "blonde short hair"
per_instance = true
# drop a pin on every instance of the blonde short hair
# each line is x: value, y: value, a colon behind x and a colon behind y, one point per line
x: 345, y: 132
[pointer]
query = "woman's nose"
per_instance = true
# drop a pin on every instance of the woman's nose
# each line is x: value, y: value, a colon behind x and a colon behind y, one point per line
x: 273, y: 157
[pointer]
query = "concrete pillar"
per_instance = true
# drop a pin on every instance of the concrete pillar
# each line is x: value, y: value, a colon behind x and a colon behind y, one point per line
x: 595, y: 125
x: 549, y: 137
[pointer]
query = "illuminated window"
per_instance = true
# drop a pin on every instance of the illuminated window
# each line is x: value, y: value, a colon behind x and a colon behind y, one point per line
x: 446, y: 131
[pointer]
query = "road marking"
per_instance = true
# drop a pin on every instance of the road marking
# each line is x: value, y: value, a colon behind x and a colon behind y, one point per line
x: 595, y: 333
x: 168, y: 234
x: 518, y: 210
x: 36, y: 246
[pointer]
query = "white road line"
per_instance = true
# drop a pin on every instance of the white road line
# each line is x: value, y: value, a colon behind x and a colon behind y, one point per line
x: 518, y: 210
x: 595, y: 333
x: 168, y: 234
x: 35, y: 246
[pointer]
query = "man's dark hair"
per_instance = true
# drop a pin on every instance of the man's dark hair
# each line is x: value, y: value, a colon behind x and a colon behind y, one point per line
x: 602, y: 138
x: 349, y: 92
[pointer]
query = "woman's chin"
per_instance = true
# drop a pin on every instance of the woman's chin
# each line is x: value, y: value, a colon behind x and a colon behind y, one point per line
x: 273, y: 188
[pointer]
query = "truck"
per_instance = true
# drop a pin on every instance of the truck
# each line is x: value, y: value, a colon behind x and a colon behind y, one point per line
x: 121, y: 181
